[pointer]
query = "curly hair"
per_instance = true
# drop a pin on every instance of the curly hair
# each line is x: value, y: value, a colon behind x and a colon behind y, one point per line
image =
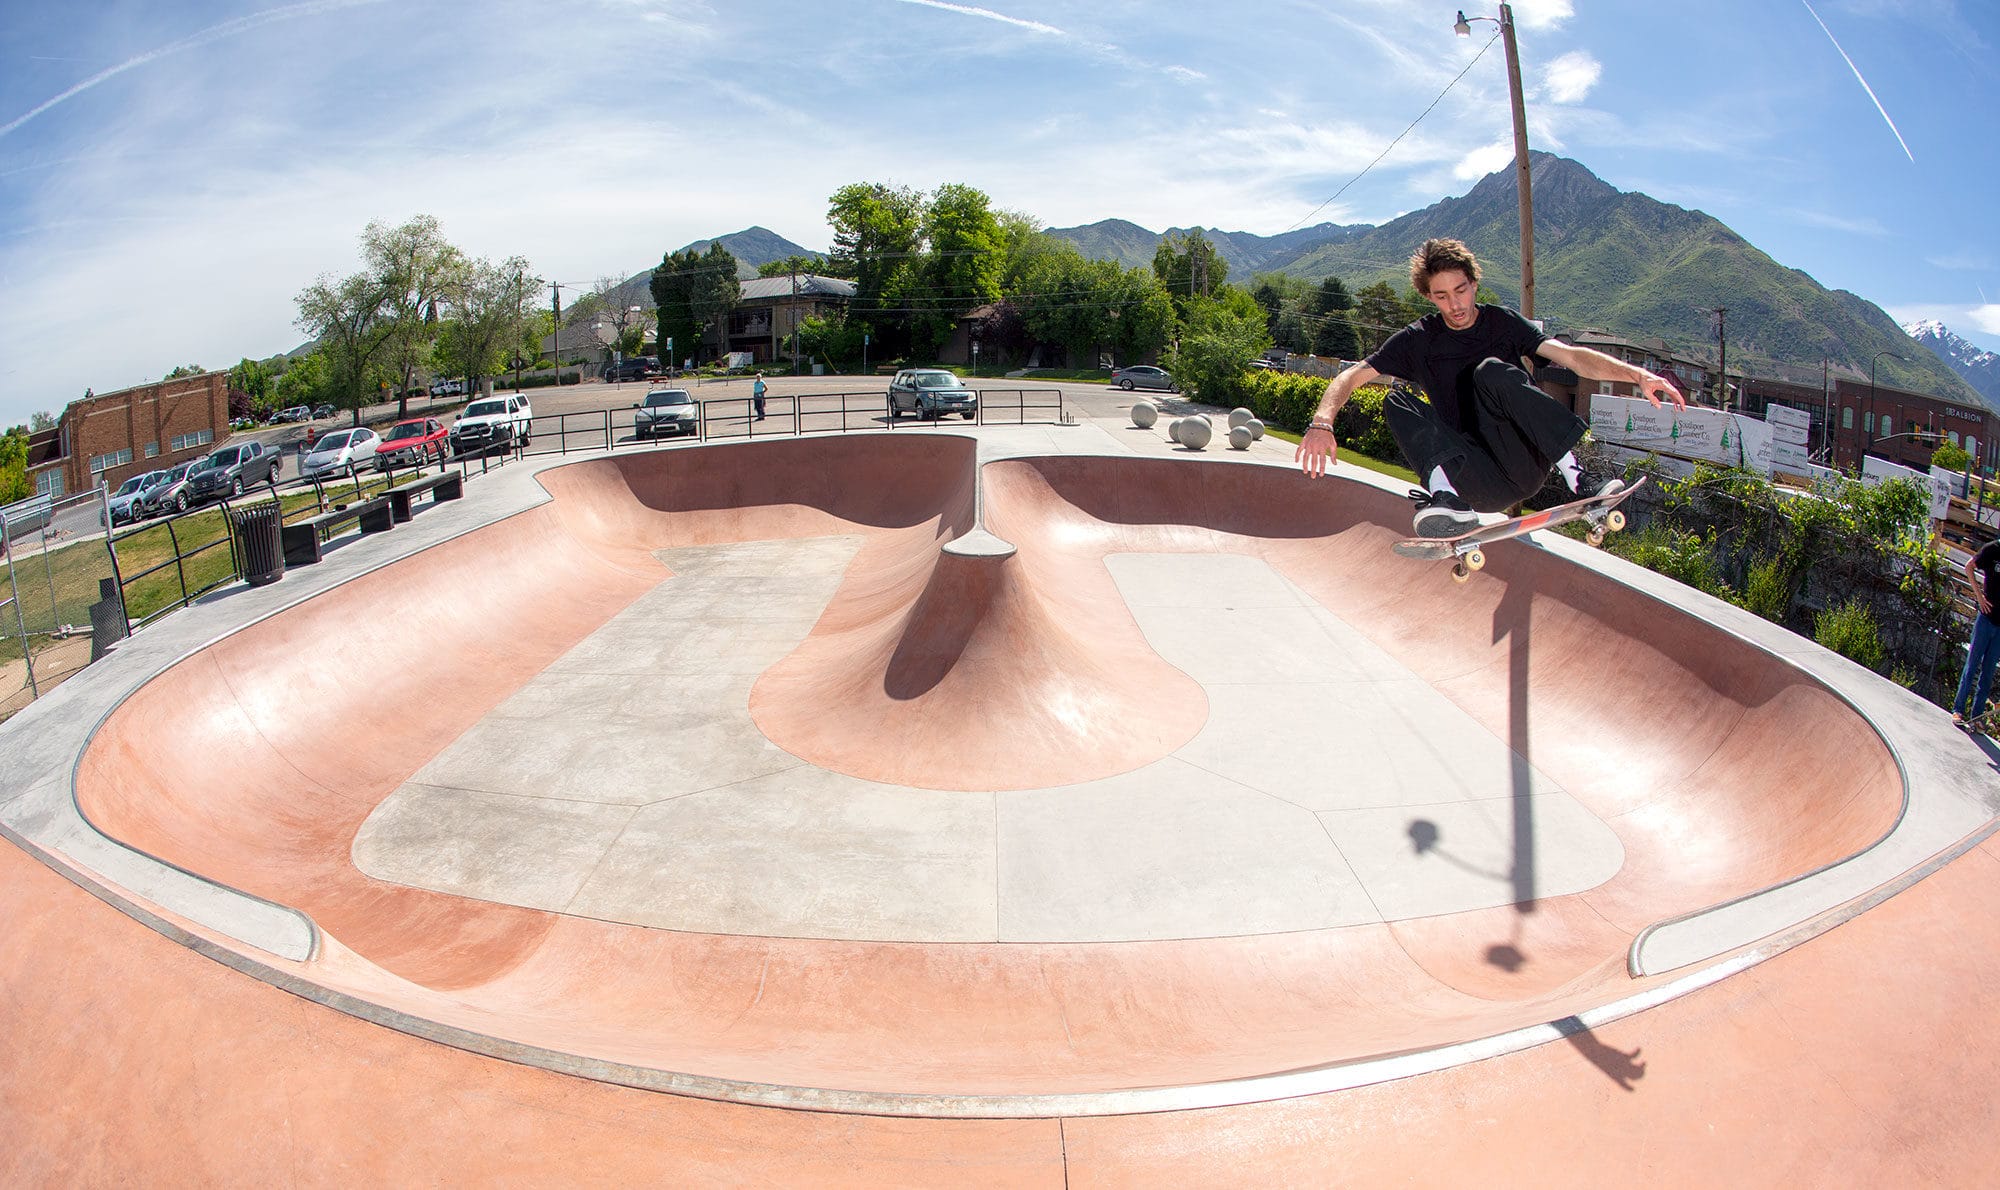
x: 1437, y: 256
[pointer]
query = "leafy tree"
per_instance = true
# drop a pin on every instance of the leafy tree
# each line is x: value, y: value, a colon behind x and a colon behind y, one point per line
x: 814, y: 263
x: 1951, y: 456
x: 1189, y: 266
x: 605, y: 304
x: 876, y: 234
x: 252, y: 379
x: 1332, y: 309
x: 835, y: 340
x: 186, y: 370
x: 498, y: 301
x: 351, y: 319
x: 692, y: 291
x: 1378, y: 313
x: 1219, y: 338
x: 417, y: 274
x: 964, y: 255
x: 14, y: 482
x: 40, y: 420
x: 1084, y: 305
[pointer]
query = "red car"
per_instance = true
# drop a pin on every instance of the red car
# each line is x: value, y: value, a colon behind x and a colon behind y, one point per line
x: 410, y: 443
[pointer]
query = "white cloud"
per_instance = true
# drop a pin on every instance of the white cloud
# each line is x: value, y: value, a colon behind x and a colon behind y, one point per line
x: 1542, y: 14
x: 988, y: 14
x: 1865, y: 226
x: 1482, y: 161
x: 1986, y: 317
x: 1569, y: 78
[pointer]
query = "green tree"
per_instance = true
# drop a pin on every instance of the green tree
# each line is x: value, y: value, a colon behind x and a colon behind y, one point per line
x: 1219, y: 338
x: 497, y: 303
x: 1188, y: 266
x: 964, y: 255
x: 306, y: 380
x: 350, y: 318
x: 14, y: 482
x: 252, y: 378
x: 1378, y: 313
x: 186, y: 370
x: 1085, y: 305
x: 692, y: 291
x: 1286, y: 303
x: 1332, y: 309
x: 876, y: 235
x: 1951, y: 456
x: 814, y: 263
x: 418, y: 274
x: 41, y: 420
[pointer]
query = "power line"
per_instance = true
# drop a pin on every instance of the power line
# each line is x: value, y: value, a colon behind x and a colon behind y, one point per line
x: 1399, y: 136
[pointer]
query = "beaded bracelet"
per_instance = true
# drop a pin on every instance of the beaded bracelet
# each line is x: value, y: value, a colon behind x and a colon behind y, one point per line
x: 1321, y: 425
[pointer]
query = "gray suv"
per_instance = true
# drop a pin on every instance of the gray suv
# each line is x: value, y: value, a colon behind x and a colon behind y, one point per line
x: 226, y: 472
x: 931, y: 392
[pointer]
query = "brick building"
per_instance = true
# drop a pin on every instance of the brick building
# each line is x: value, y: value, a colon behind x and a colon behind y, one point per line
x: 1850, y: 417
x: 107, y: 439
x: 770, y: 308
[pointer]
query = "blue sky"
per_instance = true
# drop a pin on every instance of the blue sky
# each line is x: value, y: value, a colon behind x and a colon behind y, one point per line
x: 171, y: 175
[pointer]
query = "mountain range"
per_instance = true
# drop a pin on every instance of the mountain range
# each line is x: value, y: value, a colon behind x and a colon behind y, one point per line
x: 1980, y: 368
x: 1605, y: 259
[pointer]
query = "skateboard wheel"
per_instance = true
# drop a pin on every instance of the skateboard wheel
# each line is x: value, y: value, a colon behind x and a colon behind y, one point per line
x: 1475, y: 560
x: 1595, y: 536
x: 1459, y: 573
x: 1614, y: 520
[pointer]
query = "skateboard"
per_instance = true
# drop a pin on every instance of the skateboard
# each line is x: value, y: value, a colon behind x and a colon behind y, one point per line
x: 1467, y: 552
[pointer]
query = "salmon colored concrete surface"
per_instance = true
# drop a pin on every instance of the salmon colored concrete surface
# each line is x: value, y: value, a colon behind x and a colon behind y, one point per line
x: 1857, y: 1057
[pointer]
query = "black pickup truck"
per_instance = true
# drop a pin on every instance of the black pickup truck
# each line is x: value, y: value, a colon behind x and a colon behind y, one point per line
x: 230, y: 469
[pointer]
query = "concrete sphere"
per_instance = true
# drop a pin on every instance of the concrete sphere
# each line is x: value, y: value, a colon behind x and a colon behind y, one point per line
x: 1240, y: 415
x: 1240, y: 438
x: 1144, y: 414
x: 1195, y: 432
x: 1174, y: 429
x: 1255, y: 427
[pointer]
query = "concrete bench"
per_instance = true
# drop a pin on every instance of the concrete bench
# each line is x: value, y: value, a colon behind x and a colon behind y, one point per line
x: 301, y: 539
x: 446, y: 485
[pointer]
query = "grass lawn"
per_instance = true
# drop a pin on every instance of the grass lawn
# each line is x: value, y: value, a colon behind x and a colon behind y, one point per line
x: 1350, y: 455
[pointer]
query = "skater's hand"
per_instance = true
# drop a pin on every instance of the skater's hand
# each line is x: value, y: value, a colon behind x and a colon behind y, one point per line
x: 1652, y: 387
x: 1317, y: 451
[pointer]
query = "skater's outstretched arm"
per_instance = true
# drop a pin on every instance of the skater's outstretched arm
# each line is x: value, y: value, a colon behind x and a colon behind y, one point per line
x: 1595, y: 365
x: 1317, y: 450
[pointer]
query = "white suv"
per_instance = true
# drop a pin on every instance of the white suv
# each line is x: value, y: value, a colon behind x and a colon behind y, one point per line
x: 492, y: 422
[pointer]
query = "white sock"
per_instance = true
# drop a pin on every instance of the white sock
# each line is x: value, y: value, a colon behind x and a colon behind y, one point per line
x: 1572, y: 472
x: 1439, y: 482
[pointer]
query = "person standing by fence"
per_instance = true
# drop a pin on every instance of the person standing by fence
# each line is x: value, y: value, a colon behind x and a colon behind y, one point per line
x: 757, y: 396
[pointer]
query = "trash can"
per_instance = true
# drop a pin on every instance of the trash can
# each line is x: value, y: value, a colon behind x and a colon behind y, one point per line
x: 259, y: 543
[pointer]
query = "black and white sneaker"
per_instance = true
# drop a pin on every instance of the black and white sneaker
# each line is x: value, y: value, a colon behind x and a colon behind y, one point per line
x: 1443, y: 514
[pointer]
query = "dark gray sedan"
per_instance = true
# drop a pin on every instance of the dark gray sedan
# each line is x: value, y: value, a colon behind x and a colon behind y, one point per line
x: 1144, y: 376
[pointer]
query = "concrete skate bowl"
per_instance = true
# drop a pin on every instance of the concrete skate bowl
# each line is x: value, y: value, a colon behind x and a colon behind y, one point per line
x: 1721, y: 769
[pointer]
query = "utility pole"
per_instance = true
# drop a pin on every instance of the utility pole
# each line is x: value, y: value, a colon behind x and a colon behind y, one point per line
x: 1721, y: 356
x: 1521, y: 181
x: 555, y: 299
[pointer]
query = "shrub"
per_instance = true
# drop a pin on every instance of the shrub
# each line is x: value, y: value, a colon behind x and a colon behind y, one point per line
x: 1684, y: 557
x: 1849, y: 630
x: 1767, y: 590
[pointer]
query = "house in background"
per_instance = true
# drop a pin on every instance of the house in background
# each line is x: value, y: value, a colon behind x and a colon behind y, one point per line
x: 771, y: 308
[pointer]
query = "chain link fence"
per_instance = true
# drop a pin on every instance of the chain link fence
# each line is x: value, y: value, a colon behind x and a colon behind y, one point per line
x: 62, y: 605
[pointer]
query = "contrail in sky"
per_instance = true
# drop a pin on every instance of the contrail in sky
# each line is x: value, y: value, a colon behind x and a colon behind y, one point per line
x: 1864, y: 84
x: 213, y: 33
x: 989, y: 14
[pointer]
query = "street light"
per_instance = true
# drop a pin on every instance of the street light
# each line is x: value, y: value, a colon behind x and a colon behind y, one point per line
x: 1868, y: 421
x: 1506, y: 22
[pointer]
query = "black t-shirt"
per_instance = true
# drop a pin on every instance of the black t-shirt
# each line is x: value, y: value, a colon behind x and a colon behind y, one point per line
x: 1987, y: 561
x: 1439, y: 360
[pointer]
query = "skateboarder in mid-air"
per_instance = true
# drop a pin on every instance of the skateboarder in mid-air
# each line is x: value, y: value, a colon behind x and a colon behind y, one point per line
x: 1487, y: 438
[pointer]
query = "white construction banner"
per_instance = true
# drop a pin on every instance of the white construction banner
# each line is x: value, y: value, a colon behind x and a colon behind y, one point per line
x: 1711, y: 435
x: 1875, y: 472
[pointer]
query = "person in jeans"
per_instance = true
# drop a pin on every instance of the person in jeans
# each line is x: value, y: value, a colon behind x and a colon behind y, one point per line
x: 1975, y: 682
x: 1487, y: 438
x: 757, y: 396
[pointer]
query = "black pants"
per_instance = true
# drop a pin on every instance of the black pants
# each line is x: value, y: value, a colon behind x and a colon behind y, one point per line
x: 1516, y: 433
